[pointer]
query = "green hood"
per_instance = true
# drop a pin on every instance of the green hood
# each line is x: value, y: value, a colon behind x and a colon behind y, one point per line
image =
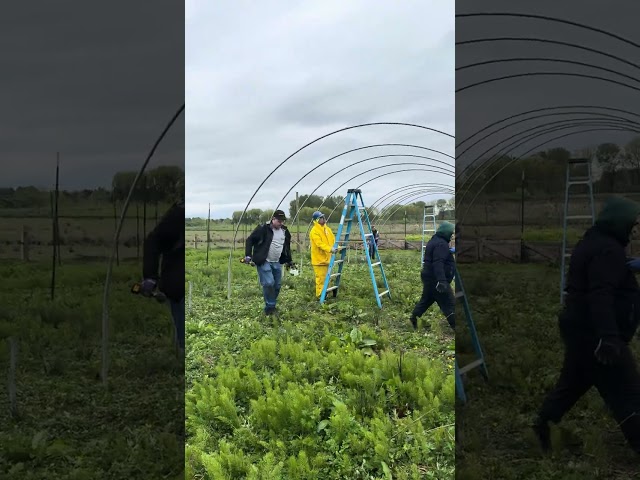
x: 445, y: 230
x: 618, y: 216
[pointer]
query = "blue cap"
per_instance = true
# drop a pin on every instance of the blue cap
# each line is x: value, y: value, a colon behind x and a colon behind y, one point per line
x: 317, y: 215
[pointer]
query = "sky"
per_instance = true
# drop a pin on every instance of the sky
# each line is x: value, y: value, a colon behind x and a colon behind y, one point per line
x: 480, y: 106
x: 262, y: 82
x: 97, y: 82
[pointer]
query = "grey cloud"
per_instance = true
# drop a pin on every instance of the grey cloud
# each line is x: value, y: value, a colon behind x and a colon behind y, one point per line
x: 483, y: 105
x: 97, y: 82
x: 289, y: 73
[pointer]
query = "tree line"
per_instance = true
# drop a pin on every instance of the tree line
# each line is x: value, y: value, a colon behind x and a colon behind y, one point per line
x: 332, y: 208
x: 545, y: 171
x: 156, y: 186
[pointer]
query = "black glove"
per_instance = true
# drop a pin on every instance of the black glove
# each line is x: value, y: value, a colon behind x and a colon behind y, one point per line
x: 441, y: 287
x: 608, y: 350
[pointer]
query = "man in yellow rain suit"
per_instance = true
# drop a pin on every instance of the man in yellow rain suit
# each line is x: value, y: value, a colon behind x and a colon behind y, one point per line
x: 322, y: 240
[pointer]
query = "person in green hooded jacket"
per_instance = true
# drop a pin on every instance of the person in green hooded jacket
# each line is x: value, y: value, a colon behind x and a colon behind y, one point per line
x: 600, y: 316
x: 438, y: 271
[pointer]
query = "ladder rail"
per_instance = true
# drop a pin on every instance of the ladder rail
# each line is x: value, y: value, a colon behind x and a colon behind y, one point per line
x: 368, y: 257
x: 570, y: 182
x: 432, y: 215
x: 480, y: 357
x: 472, y: 326
x: 377, y: 256
x: 327, y: 279
x: 354, y: 205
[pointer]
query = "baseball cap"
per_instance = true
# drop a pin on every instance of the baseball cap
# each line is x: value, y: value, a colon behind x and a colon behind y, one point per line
x: 279, y: 214
x: 317, y: 215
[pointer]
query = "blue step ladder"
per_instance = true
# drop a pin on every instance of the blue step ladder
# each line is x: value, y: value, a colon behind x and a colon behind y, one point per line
x: 574, y: 178
x: 431, y: 219
x: 479, y: 362
x: 354, y: 210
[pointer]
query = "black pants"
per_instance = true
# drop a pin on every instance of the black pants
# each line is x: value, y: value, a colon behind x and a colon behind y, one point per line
x: 445, y: 300
x: 619, y: 386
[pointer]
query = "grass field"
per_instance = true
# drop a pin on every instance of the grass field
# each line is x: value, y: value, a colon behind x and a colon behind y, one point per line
x: 515, y: 310
x: 69, y: 427
x: 338, y: 391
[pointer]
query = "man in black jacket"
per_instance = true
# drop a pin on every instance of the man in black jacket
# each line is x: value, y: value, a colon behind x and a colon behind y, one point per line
x: 437, y: 274
x: 167, y: 241
x: 599, y: 319
x: 269, y: 247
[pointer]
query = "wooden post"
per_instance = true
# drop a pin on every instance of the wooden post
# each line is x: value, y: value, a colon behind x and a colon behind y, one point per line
x: 298, y: 222
x: 55, y: 229
x: 24, y: 242
x: 144, y: 207
x: 208, y: 232
x: 115, y: 223
x: 137, y: 230
x: 13, y: 363
x: 405, y: 231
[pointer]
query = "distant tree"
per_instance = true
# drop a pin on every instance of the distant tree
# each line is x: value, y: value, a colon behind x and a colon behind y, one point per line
x: 608, y: 156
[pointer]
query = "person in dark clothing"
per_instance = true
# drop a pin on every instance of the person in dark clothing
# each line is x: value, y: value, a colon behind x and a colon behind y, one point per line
x: 372, y: 242
x: 599, y: 319
x: 166, y: 241
x: 269, y: 247
x: 437, y: 274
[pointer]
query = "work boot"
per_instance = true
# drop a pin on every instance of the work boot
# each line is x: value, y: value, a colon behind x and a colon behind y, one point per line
x: 414, y: 322
x: 543, y: 434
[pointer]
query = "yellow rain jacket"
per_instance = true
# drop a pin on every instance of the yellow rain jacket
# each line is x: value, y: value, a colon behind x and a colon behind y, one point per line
x: 322, y: 240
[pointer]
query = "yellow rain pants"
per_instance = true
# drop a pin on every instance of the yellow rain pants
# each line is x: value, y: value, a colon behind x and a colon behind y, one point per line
x: 322, y: 240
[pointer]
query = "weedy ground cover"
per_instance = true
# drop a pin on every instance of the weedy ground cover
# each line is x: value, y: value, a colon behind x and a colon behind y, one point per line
x: 333, y: 391
x: 69, y: 427
x: 515, y: 309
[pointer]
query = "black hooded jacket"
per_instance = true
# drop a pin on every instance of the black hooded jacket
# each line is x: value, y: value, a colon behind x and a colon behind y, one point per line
x: 439, y: 265
x: 602, y: 295
x: 167, y: 241
x: 258, y: 243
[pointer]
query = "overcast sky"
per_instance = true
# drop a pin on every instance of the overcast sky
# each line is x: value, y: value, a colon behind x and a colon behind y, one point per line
x: 482, y: 105
x: 261, y: 82
x: 95, y: 81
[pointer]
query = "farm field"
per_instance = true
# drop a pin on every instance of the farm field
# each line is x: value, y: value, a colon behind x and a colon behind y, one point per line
x: 69, y: 426
x: 515, y: 310
x: 334, y: 391
x: 222, y: 234
x: 85, y: 234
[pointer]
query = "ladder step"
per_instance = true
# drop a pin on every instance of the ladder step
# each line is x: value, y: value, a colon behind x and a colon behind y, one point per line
x: 459, y: 294
x: 335, y: 274
x: 374, y: 264
x: 338, y: 261
x: 380, y: 294
x: 472, y: 365
x: 332, y: 288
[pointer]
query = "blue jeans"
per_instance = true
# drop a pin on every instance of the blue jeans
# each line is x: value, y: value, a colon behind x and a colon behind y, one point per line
x: 177, y: 312
x: 270, y: 275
